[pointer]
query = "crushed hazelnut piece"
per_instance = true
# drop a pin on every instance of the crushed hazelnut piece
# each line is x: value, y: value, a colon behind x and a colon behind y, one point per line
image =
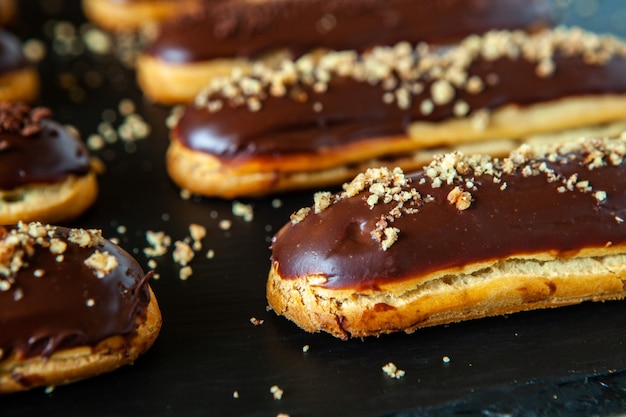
x: 102, y: 262
x: 392, y: 371
x: 276, y: 392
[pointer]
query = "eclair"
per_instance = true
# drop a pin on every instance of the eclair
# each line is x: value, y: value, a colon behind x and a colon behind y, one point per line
x: 133, y: 15
x: 8, y: 12
x: 313, y: 121
x: 46, y: 173
x: 187, y: 53
x: 72, y: 305
x: 463, y: 238
x: 19, y: 79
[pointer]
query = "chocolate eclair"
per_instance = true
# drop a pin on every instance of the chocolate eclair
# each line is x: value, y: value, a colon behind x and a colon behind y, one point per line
x: 45, y: 171
x: 187, y: 53
x: 314, y: 121
x: 467, y: 236
x: 72, y: 305
x: 19, y: 79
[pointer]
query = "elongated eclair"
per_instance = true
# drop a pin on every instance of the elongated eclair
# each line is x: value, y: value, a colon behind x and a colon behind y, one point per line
x: 312, y: 121
x: 45, y: 171
x: 186, y: 54
x: 463, y: 238
x: 19, y: 79
x: 72, y: 305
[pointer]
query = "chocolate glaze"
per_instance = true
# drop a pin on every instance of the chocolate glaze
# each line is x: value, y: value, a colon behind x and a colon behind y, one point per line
x: 530, y: 216
x: 235, y: 28
x: 48, y: 156
x: 53, y: 313
x: 11, y: 56
x: 353, y: 111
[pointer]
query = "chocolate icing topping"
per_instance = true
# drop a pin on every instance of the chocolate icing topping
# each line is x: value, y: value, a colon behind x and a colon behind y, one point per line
x: 348, y: 109
x: 11, y: 56
x: 244, y: 28
x: 52, y: 304
x: 35, y: 149
x: 559, y: 203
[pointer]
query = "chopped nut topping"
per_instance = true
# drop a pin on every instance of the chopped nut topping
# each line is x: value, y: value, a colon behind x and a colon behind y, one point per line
x: 403, y: 71
x: 20, y: 118
x: 322, y: 200
x: 86, y: 238
x: 102, y: 262
x: 460, y: 175
x: 461, y: 199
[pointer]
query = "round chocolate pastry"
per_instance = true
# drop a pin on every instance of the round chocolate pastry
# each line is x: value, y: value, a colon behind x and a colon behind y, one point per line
x: 45, y: 170
x: 72, y: 305
x: 19, y: 79
x: 187, y: 53
x: 313, y: 121
x: 463, y: 238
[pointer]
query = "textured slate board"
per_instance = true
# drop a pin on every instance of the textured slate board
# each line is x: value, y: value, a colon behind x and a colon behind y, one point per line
x: 568, y: 362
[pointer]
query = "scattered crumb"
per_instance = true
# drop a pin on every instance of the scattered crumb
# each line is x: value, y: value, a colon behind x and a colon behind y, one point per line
x: 235, y: 394
x: 185, y: 194
x: 276, y: 392
x: 185, y: 272
x: 244, y: 211
x: 446, y: 359
x: 392, y: 371
x: 210, y: 254
x: 225, y: 224
x: 277, y: 203
x: 183, y: 253
x: 305, y: 348
x: 256, y: 322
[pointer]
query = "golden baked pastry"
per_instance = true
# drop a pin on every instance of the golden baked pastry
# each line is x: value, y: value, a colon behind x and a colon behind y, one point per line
x: 133, y: 15
x: 466, y: 237
x: 45, y: 171
x: 72, y: 305
x: 19, y: 79
x: 235, y: 35
x: 313, y: 121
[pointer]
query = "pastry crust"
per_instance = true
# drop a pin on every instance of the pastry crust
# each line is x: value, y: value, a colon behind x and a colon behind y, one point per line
x: 476, y: 237
x: 499, y: 288
x: 49, y: 203
x: 21, y: 85
x: 70, y: 365
x: 8, y: 11
x: 128, y: 16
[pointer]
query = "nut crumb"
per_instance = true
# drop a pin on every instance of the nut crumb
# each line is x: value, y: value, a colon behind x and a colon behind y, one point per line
x: 244, y: 211
x: 256, y: 322
x: 276, y: 392
x: 392, y: 370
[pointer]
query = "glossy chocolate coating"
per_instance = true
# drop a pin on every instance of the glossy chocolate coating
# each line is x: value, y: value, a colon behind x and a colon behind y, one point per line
x: 46, y: 157
x: 354, y: 111
x: 11, y: 56
x: 235, y: 29
x: 54, y: 313
x: 530, y: 216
